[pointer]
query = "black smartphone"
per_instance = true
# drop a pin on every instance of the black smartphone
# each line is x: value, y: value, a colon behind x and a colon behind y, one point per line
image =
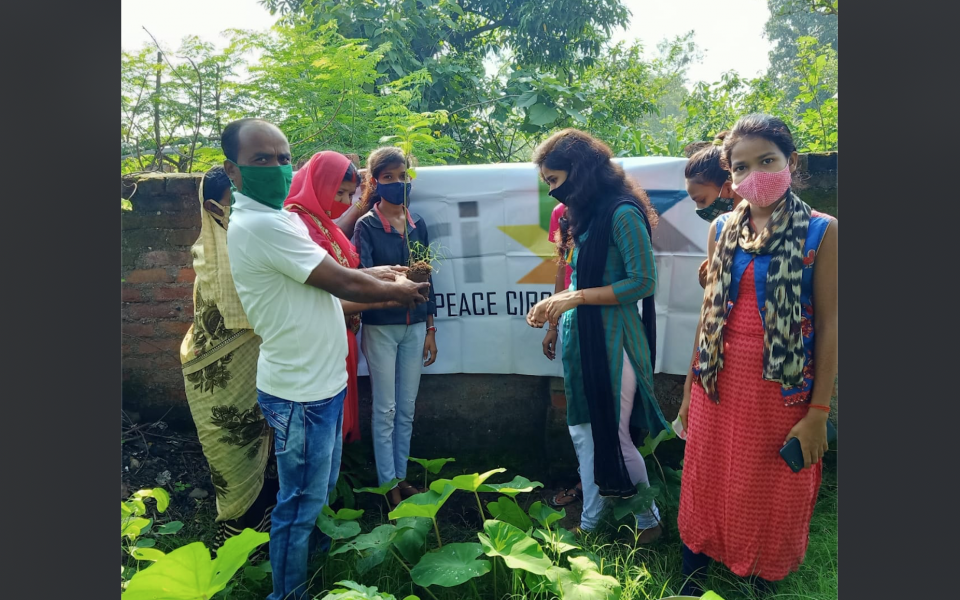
x: 792, y: 454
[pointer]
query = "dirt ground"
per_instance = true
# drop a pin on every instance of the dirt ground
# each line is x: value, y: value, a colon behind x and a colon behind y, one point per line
x: 155, y: 455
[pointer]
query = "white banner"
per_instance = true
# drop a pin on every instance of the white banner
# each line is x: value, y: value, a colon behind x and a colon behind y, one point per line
x: 493, y: 220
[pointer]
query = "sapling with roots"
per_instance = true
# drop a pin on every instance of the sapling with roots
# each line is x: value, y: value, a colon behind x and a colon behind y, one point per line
x: 422, y: 262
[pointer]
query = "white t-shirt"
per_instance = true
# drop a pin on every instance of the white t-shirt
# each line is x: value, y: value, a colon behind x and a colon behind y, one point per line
x: 304, y: 350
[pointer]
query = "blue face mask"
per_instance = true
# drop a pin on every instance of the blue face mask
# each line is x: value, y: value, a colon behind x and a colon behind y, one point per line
x: 393, y: 192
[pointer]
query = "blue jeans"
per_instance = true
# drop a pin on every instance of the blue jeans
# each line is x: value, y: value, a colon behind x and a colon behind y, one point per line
x: 308, y: 437
x: 394, y: 356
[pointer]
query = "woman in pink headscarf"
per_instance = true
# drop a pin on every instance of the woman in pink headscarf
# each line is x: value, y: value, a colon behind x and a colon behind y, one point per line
x: 318, y: 193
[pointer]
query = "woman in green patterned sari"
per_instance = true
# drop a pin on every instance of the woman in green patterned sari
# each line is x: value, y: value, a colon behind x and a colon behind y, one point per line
x: 219, y: 357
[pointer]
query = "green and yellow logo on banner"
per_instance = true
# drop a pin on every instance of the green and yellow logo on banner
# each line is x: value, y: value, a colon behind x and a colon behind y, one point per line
x: 535, y: 238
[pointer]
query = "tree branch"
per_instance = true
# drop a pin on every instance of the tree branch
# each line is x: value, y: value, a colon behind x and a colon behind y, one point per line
x: 343, y: 96
x: 462, y: 38
x: 196, y: 129
x: 484, y: 102
x: 136, y: 107
x: 164, y: 54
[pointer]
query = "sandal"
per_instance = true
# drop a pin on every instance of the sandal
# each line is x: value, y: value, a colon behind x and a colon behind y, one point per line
x: 407, y: 489
x: 390, y: 503
x: 566, y: 497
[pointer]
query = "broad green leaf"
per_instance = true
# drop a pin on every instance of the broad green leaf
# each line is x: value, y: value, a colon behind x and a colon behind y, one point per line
x: 432, y: 465
x: 381, y: 537
x: 421, y: 137
x: 583, y: 581
x: 371, y: 558
x: 518, y: 550
x: 636, y: 504
x: 170, y: 528
x: 512, y: 488
x: 382, y: 490
x: 147, y: 554
x: 426, y: 504
x: 145, y: 543
x: 158, y: 494
x: 349, y: 590
x: 546, y: 515
x: 559, y: 540
x: 254, y: 573
x: 576, y: 115
x: 467, y: 483
x: 541, y: 115
x: 136, y: 507
x: 344, y: 514
x: 537, y: 584
x: 125, y: 204
x: 344, y: 491
x: 337, y: 529
x: 184, y: 574
x: 411, y: 543
x: 711, y: 595
x: 527, y: 99
x: 233, y: 554
x: 450, y: 566
x: 673, y: 475
x: 649, y: 445
x: 134, y: 527
x: 506, y: 510
x: 671, y: 487
x: 125, y: 510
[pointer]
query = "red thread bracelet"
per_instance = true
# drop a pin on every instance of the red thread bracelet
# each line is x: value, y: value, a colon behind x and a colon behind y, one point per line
x: 825, y: 409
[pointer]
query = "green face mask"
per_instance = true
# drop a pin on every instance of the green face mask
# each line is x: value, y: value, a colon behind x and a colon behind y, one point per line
x: 267, y: 185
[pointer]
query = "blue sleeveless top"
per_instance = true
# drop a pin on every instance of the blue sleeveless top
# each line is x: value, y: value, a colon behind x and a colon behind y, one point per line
x: 761, y: 262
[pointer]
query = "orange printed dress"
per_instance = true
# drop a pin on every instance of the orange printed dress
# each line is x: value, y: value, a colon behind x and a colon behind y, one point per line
x: 740, y: 503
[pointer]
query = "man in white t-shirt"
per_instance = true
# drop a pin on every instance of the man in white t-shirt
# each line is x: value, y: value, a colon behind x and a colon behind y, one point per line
x: 289, y: 288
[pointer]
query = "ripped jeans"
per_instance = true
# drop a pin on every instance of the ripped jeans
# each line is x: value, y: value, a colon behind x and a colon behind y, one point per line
x: 394, y: 356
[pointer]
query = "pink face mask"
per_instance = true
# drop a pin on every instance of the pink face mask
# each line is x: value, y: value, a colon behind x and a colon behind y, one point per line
x: 762, y: 188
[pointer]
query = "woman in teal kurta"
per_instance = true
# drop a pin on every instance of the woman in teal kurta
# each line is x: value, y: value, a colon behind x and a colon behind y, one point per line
x: 609, y: 278
x: 632, y: 272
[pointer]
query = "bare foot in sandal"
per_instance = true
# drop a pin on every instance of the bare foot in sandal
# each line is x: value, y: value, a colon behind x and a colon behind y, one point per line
x: 407, y: 489
x: 394, y: 497
x: 567, y: 497
x: 647, y: 536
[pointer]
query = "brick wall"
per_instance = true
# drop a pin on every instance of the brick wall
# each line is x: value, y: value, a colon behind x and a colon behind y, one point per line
x: 156, y: 294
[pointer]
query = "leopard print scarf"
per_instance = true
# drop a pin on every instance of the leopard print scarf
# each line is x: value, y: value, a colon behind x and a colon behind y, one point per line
x: 783, y: 238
